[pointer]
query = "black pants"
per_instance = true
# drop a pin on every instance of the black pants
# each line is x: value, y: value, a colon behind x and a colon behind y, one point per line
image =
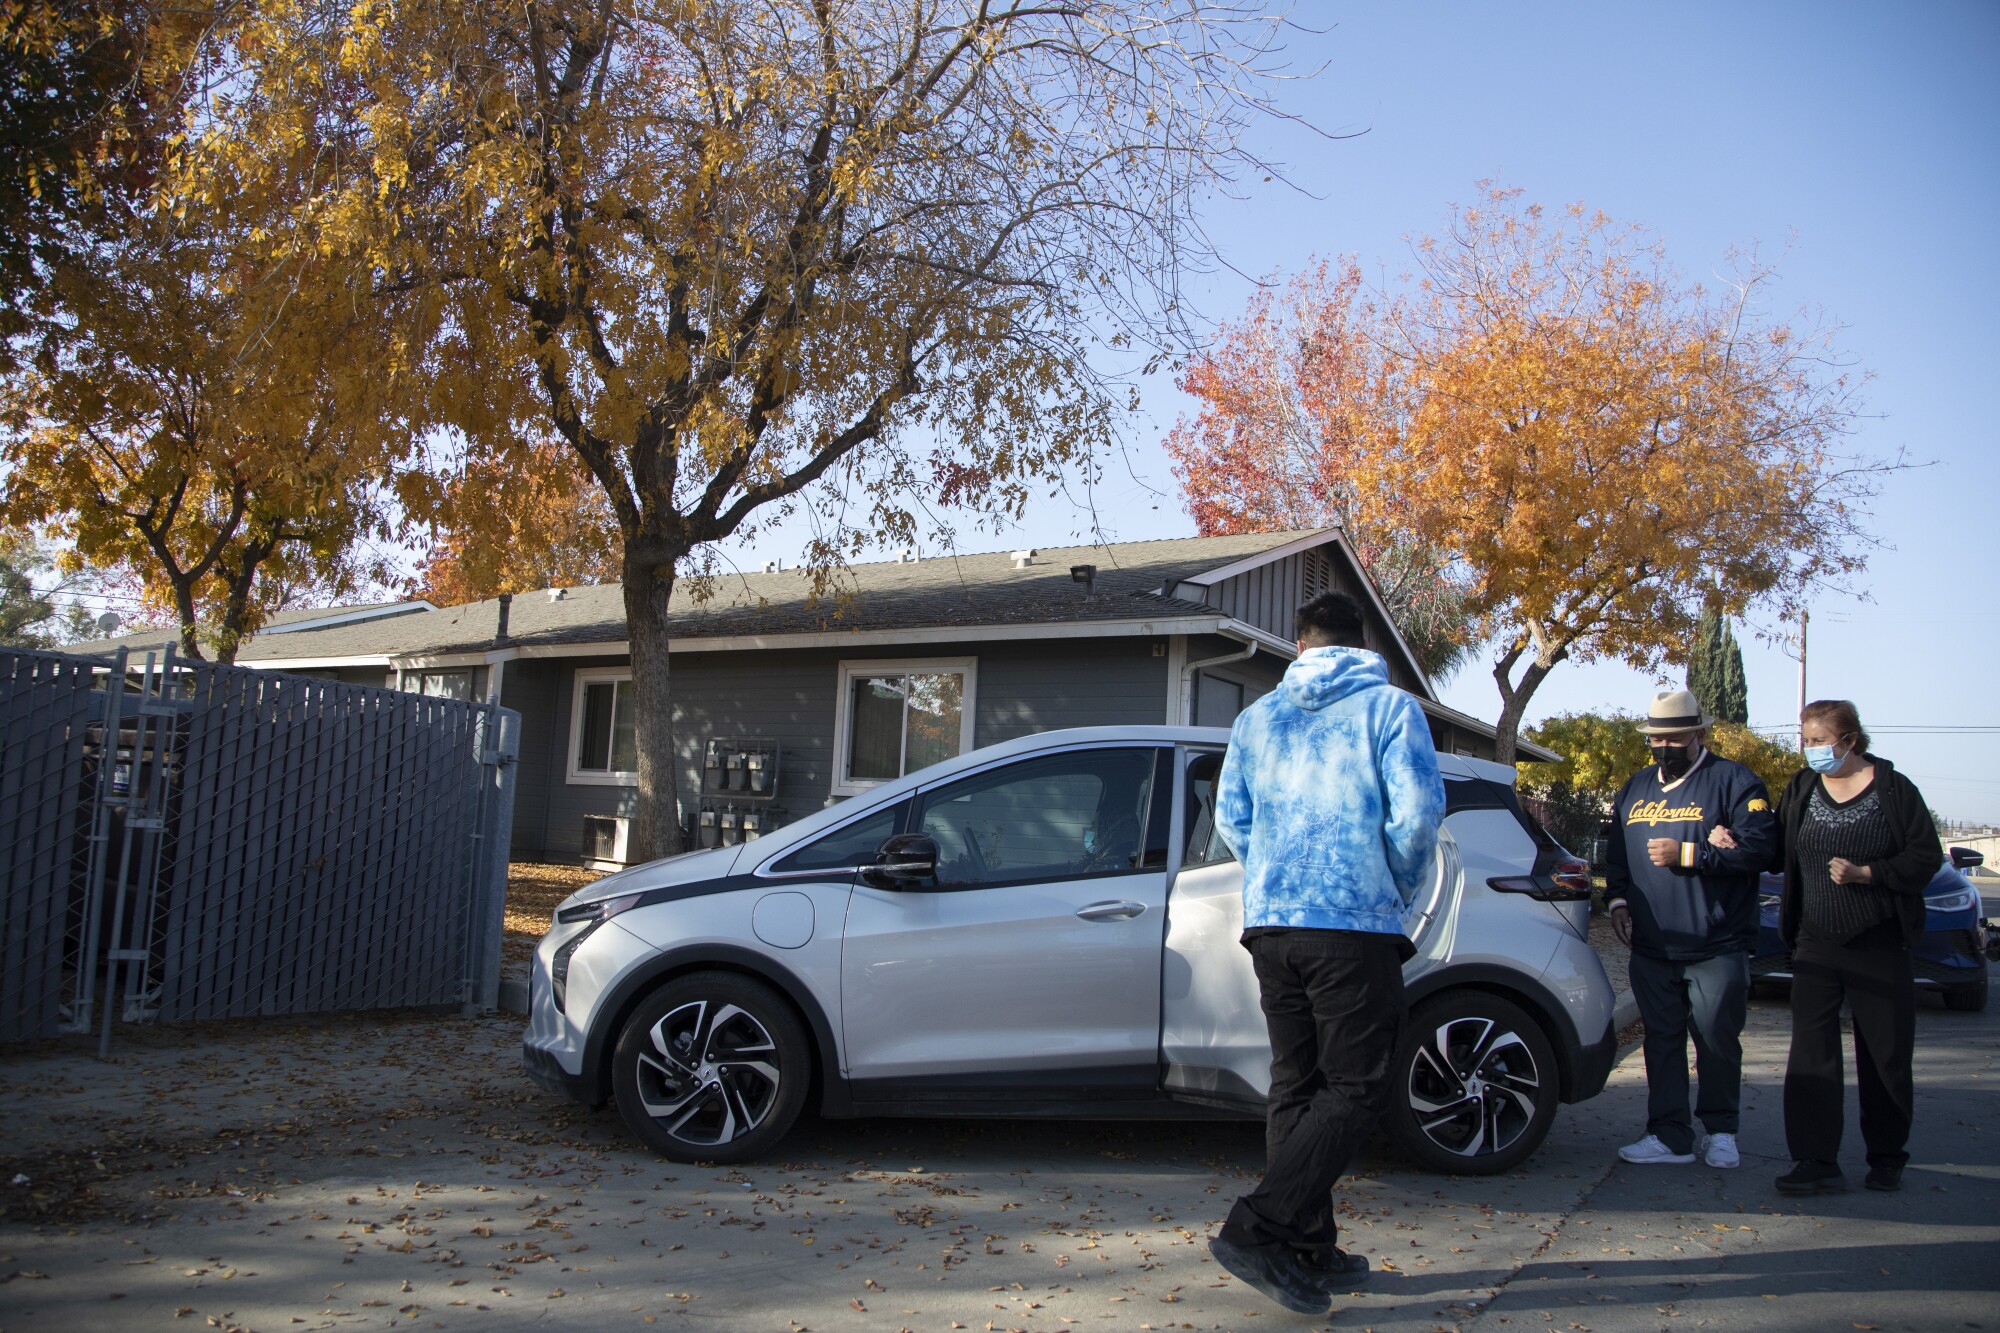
x: 1873, y: 977
x: 1333, y: 1001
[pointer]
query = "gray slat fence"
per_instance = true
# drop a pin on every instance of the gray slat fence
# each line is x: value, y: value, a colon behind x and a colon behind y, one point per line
x: 183, y: 841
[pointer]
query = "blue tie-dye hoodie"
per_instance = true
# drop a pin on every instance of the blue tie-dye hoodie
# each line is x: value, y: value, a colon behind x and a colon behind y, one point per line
x: 1330, y: 797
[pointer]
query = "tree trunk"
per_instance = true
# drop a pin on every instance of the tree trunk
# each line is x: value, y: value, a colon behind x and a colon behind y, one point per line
x: 190, y: 645
x: 1514, y: 700
x: 656, y: 826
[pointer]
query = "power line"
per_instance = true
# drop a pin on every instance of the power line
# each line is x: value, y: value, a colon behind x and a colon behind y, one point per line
x: 1912, y: 729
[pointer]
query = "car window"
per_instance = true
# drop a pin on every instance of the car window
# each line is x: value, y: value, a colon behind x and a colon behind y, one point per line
x: 854, y: 845
x: 1205, y: 845
x: 1064, y: 816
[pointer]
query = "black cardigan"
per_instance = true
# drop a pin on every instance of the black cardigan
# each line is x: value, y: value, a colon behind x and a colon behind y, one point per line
x: 1907, y: 873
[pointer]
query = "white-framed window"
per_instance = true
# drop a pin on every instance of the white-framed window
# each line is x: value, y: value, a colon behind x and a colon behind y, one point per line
x: 603, y: 747
x: 894, y: 717
x: 440, y: 683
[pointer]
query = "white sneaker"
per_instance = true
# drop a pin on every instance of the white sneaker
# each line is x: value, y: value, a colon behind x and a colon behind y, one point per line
x: 1649, y: 1151
x: 1719, y: 1150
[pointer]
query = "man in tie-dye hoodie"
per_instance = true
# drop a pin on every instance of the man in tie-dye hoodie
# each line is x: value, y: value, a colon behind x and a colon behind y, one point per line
x: 1331, y: 799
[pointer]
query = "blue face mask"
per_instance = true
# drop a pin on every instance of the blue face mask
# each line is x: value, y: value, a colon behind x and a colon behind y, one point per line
x: 1823, y: 759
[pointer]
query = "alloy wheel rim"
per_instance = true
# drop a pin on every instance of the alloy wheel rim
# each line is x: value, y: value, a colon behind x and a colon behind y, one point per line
x: 709, y: 1074
x: 1473, y: 1087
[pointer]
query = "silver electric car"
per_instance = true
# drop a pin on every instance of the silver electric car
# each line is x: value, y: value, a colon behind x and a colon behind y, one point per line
x: 1048, y: 927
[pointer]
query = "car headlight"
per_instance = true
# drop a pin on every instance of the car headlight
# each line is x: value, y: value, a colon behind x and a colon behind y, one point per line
x: 1955, y: 901
x: 596, y: 913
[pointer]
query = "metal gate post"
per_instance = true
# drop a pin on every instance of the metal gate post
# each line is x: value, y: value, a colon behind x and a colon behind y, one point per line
x: 145, y: 805
x: 81, y: 1012
x: 499, y: 743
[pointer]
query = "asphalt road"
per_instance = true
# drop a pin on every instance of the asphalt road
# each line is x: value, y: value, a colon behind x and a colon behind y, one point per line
x: 399, y: 1172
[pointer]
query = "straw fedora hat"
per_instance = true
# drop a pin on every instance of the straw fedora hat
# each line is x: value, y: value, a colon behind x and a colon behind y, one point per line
x: 1671, y: 711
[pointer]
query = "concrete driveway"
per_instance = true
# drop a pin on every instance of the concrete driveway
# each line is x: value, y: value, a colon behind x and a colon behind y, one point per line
x: 400, y: 1172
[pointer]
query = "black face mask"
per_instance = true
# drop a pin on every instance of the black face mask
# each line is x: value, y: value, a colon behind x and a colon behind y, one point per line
x: 1674, y: 760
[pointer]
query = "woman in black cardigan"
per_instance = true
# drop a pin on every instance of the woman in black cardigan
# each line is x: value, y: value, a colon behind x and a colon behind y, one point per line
x: 1858, y: 848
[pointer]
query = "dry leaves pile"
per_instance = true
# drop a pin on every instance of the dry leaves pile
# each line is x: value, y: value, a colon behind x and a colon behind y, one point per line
x: 533, y: 892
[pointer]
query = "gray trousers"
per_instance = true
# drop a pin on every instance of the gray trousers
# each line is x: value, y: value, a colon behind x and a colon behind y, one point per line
x: 1706, y: 999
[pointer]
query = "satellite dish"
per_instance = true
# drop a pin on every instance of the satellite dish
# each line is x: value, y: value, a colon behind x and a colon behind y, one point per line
x: 107, y: 624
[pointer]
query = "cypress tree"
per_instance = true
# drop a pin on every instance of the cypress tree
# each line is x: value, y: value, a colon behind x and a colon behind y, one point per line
x: 1715, y: 670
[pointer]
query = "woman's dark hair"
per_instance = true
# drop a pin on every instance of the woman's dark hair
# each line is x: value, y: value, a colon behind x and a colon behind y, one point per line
x: 1838, y: 716
x: 1331, y: 620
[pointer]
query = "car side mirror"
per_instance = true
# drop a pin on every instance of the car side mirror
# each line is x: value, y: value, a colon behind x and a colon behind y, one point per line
x: 1964, y: 857
x: 904, y: 862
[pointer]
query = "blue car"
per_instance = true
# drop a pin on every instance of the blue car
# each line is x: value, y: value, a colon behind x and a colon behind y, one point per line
x: 1950, y: 956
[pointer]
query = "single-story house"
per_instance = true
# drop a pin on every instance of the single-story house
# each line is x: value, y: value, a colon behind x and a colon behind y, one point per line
x: 784, y: 701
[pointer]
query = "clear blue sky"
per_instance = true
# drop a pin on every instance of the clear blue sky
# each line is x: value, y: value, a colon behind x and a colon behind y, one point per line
x: 1863, y: 135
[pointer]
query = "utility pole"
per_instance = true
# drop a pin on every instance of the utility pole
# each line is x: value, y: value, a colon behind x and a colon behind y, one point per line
x: 1803, y: 616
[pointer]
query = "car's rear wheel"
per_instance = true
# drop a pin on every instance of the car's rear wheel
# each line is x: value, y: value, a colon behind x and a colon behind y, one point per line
x: 711, y: 1067
x: 1967, y: 999
x: 1475, y: 1086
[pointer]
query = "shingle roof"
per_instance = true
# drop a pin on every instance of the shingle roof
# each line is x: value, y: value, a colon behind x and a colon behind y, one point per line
x: 140, y: 640
x: 938, y: 591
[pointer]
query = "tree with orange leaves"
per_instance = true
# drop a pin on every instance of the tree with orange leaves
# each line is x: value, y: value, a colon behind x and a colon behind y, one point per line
x: 1599, y: 448
x: 516, y: 522
x: 1298, y: 371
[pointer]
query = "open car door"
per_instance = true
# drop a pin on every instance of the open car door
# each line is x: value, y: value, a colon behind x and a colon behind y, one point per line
x: 1213, y: 1042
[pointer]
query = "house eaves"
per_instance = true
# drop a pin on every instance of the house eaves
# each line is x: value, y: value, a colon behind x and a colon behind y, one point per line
x: 1173, y: 623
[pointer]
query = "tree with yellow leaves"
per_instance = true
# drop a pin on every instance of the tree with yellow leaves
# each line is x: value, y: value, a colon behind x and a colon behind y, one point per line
x: 747, y: 256
x: 160, y: 415
x: 518, y: 521
x: 1602, y: 449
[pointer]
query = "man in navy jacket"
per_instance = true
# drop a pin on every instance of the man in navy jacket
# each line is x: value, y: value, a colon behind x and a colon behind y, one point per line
x: 1688, y: 911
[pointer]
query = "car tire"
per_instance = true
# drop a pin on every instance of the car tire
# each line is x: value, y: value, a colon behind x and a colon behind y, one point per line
x: 1474, y: 1087
x: 1967, y: 999
x: 711, y: 1067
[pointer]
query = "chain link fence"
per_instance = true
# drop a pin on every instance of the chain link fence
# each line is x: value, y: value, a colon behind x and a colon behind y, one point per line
x: 183, y: 841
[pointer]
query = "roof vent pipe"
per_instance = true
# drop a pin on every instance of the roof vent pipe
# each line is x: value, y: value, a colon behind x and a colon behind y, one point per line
x: 906, y: 555
x: 1022, y: 559
x: 1086, y: 575
x: 506, y: 605
x: 773, y: 566
x: 557, y: 594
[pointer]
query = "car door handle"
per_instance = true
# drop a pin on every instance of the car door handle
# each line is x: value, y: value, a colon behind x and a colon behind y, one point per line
x: 1110, y: 911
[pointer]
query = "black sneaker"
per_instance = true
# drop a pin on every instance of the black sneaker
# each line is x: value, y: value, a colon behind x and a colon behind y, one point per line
x: 1276, y: 1274
x: 1884, y: 1178
x: 1812, y: 1178
x: 1343, y: 1273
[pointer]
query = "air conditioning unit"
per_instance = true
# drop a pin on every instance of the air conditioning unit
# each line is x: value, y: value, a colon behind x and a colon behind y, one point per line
x: 606, y: 841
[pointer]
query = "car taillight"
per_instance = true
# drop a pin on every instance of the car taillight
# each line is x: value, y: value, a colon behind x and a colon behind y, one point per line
x: 1572, y: 874
x: 1557, y: 878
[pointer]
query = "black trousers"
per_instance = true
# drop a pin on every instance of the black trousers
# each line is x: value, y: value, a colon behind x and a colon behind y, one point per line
x: 1333, y: 1001
x: 1875, y: 983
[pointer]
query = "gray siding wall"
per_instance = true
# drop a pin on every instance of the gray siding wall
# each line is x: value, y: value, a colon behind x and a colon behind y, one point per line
x: 1040, y: 686
x: 789, y: 697
x: 1257, y: 676
x: 1268, y: 595
x: 531, y: 686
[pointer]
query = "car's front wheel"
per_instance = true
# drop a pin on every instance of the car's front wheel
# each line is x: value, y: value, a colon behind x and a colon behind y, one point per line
x: 1474, y: 1087
x: 711, y: 1067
